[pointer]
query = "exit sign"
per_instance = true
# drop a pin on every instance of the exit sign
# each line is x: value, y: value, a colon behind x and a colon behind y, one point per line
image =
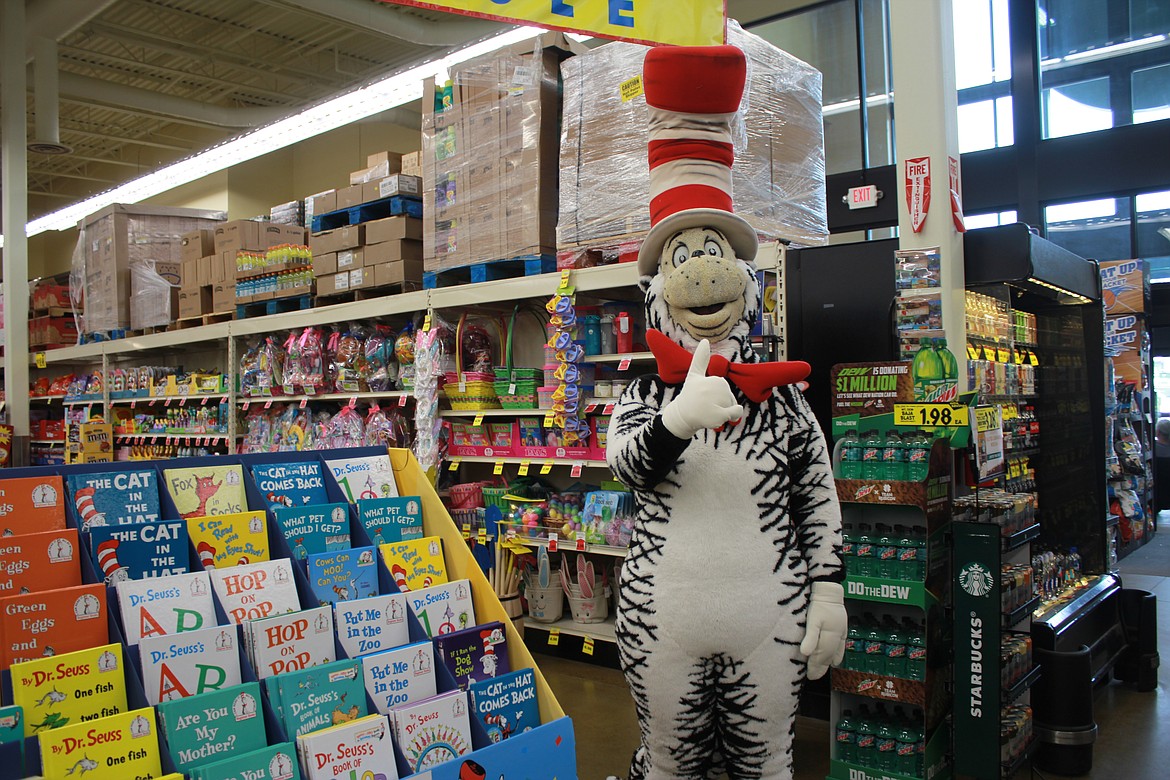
x: 863, y: 197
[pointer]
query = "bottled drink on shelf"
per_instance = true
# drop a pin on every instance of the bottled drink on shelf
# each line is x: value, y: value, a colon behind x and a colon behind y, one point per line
x: 915, y: 634
x: 917, y: 456
x: 875, y: 648
x: 895, y: 652
x: 854, y: 646
x: 886, y: 745
x: 866, y: 738
x: 871, y: 456
x: 851, y: 455
x: 907, y: 566
x: 864, y: 552
x: 893, y: 457
x: 847, y: 738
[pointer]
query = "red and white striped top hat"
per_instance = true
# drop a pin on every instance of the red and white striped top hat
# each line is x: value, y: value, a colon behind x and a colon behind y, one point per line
x: 693, y: 93
x: 107, y: 556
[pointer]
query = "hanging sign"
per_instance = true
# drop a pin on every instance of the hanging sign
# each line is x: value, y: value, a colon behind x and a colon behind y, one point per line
x: 918, y: 190
x: 956, y: 195
x: 678, y: 22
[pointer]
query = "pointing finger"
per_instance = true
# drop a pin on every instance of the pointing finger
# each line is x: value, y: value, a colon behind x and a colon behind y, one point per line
x: 701, y: 359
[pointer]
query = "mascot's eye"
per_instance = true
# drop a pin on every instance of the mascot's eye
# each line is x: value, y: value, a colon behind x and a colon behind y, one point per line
x: 713, y: 248
x: 680, y: 256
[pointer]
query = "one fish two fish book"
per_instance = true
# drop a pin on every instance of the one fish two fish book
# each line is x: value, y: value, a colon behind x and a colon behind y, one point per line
x: 115, y: 497
x: 70, y: 688
x: 128, y: 741
x: 291, y: 484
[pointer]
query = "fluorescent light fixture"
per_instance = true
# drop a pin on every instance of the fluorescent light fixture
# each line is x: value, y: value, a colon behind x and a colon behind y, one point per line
x: 1116, y: 48
x: 852, y: 105
x: 1075, y: 296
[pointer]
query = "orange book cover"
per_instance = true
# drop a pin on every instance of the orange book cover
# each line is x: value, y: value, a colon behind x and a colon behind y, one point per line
x: 44, y: 561
x: 31, y: 504
x: 52, y: 622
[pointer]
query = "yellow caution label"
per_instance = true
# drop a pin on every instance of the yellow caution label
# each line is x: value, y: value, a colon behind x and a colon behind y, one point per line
x: 631, y: 88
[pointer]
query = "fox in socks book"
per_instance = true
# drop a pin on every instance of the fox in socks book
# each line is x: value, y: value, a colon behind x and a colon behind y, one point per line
x: 207, y: 490
x: 115, y: 497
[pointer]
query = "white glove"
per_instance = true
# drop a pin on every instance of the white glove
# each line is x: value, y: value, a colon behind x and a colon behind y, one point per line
x: 704, y: 401
x: 826, y: 628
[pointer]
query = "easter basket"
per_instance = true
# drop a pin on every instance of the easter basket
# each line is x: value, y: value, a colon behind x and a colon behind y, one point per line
x: 516, y: 387
x: 470, y: 391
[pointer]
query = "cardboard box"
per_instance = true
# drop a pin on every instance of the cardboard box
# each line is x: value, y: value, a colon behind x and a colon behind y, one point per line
x: 350, y: 196
x: 194, y: 302
x: 347, y: 237
x: 392, y: 159
x: 332, y: 284
x: 402, y: 271
x: 275, y: 234
x: 324, y: 264
x: 240, y: 234
x: 223, y: 297
x: 196, y: 244
x: 93, y: 437
x: 392, y: 251
x: 189, y: 273
x: 91, y: 457
x: 398, y: 184
x: 412, y: 164
x: 377, y: 171
x: 349, y: 259
x: 1124, y: 286
x: 361, y: 277
x: 323, y: 202
x: 393, y: 229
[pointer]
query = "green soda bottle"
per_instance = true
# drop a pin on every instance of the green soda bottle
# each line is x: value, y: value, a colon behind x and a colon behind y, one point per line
x: 854, y: 646
x: 886, y: 745
x: 863, y: 552
x: 925, y: 369
x: 848, y: 549
x: 915, y: 650
x: 866, y: 738
x: 871, y: 456
x: 917, y: 456
x: 875, y: 648
x: 907, y: 567
x: 847, y: 738
x: 950, y: 366
x: 851, y: 454
x: 894, y: 457
x: 907, y: 747
x: 895, y: 652
x: 887, y: 554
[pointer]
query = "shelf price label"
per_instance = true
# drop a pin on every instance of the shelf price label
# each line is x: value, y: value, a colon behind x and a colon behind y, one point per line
x: 481, y: 536
x: 931, y: 415
x: 580, y: 546
x: 39, y: 360
x: 554, y: 637
x: 268, y: 404
x: 352, y: 401
x: 246, y: 405
x: 454, y: 465
x: 972, y: 352
x: 498, y: 469
x: 548, y: 420
x: 203, y: 402
x: 467, y: 530
x: 552, y: 542
x: 304, y: 403
x: 402, y: 401
x: 624, y: 365
x: 987, y: 419
x: 478, y: 421
x: 576, y: 470
x: 608, y: 409
x: 546, y: 467
x: 587, y: 645
x: 524, y: 464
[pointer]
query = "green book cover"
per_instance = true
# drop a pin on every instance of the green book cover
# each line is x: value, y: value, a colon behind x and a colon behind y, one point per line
x: 209, y: 727
x: 12, y: 731
x: 277, y: 762
x: 322, y: 696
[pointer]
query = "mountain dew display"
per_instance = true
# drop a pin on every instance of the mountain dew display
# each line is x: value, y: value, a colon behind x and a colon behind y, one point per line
x: 897, y: 553
x: 935, y: 372
x: 888, y: 647
x: 882, y: 740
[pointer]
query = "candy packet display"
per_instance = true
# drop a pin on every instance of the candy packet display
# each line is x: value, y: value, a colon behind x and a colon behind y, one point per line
x: 348, y: 360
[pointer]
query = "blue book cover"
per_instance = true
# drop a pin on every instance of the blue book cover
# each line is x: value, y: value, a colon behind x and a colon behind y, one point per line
x: 314, y: 529
x: 344, y: 575
x: 291, y: 484
x: 135, y: 552
x: 475, y: 654
x: 115, y: 497
x: 391, y: 519
x: 397, y: 677
x: 211, y: 726
x: 276, y: 762
x: 506, y: 705
x: 321, y: 696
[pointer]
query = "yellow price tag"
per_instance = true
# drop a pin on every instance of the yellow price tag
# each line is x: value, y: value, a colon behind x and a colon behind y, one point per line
x: 467, y: 530
x: 39, y: 359
x: 972, y: 352
x: 524, y: 464
x: 989, y: 354
x: 498, y: 469
x: 554, y: 637
x: 548, y: 420
x: 427, y: 322
x: 454, y: 465
x: 986, y: 419
x: 482, y: 536
x: 478, y: 421
x: 587, y: 646
x: 930, y: 415
x: 631, y: 88
x: 546, y: 467
x: 1010, y: 412
x: 1002, y: 355
x: 1032, y: 358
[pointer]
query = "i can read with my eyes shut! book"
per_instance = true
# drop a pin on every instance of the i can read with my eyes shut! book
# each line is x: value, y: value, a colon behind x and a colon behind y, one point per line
x: 230, y: 540
x: 415, y: 564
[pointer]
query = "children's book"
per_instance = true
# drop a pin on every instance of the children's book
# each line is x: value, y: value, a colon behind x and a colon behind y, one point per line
x: 229, y: 540
x: 70, y: 688
x: 180, y: 665
x: 343, y: 576
x: 165, y: 605
x: 478, y: 653
x: 53, y: 622
x: 415, y: 564
x: 362, y: 748
x: 506, y: 704
x: 364, y: 478
x: 123, y: 746
x: 433, y: 731
x: 256, y: 590
x: 400, y: 676
x: 276, y: 762
x: 291, y: 484
x: 320, y: 696
x: 207, y: 490
x: 208, y: 727
x: 140, y: 551
x: 391, y: 519
x: 12, y: 733
x: 314, y: 529
x: 291, y: 642
x: 40, y: 561
x: 372, y: 624
x: 31, y: 504
x: 443, y: 609
x: 115, y: 497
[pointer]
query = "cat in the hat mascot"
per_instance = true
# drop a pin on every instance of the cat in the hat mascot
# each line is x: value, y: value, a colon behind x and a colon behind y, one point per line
x: 731, y: 593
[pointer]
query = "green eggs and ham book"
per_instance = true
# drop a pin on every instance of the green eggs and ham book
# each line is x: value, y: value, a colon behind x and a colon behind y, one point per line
x: 443, y: 609
x: 371, y: 625
x: 230, y: 540
x: 40, y: 561
x: 291, y: 484
x: 165, y: 605
x: 433, y: 731
x: 343, y: 576
x: 364, y: 478
x: 53, y: 622
x: 140, y: 551
x: 31, y: 504
x: 506, y: 705
x: 391, y: 519
x: 180, y: 665
x: 319, y: 697
x: 121, y: 746
x: 203, y: 729
x: 314, y: 529
x: 476, y: 654
x: 70, y: 688
x: 115, y: 497
x: 362, y: 748
x: 204, y: 491
x: 256, y: 590
x: 277, y: 762
x: 400, y: 676
x: 287, y: 643
x: 415, y: 564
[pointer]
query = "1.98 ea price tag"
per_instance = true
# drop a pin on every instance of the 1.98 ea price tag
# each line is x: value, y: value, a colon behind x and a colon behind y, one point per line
x: 931, y: 415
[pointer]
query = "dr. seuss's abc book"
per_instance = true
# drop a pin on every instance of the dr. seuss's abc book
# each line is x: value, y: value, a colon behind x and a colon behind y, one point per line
x: 207, y: 490
x: 391, y: 519
x: 165, y: 605
x: 42, y: 561
x: 400, y: 676
x: 135, y: 552
x: 371, y: 625
x: 476, y: 654
x: 114, y: 497
x: 415, y: 564
x: 52, y: 622
x: 364, y: 478
x: 314, y: 529
x: 205, y: 728
x: 256, y: 590
x: 127, y: 742
x: 229, y: 540
x: 70, y: 688
x: 31, y: 504
x: 343, y: 576
x: 180, y: 665
x: 290, y: 484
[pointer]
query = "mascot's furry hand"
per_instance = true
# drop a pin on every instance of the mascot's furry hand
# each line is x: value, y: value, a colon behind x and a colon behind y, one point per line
x: 826, y: 629
x: 704, y: 401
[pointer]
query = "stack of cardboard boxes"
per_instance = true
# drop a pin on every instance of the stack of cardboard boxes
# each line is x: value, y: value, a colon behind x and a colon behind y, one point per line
x: 51, y: 323
x: 383, y: 177
x: 372, y: 254
x: 90, y: 442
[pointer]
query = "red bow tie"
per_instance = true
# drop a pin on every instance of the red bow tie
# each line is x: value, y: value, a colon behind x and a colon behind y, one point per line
x: 756, y: 380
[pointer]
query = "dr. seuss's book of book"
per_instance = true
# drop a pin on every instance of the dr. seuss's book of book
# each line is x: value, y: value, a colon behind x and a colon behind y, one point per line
x: 371, y: 625
x: 314, y: 529
x: 319, y: 696
x: 256, y: 590
x: 343, y: 576
x: 229, y: 540
x: 114, y: 497
x: 42, y: 561
x: 362, y: 748
x: 207, y: 490
x: 277, y: 762
x: 391, y: 519
x: 127, y: 742
x: 363, y: 478
x: 165, y: 605
x: 70, y: 688
x: 479, y: 653
x: 400, y: 676
x: 140, y: 551
x: 180, y: 665
x: 434, y: 731
x: 52, y: 622
x: 291, y: 484
x: 415, y: 564
x: 288, y: 643
x: 443, y: 609
x: 506, y: 704
x: 31, y: 504
x: 208, y: 727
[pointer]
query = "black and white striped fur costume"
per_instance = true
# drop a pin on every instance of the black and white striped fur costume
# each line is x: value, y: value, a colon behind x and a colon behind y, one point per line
x: 732, y: 529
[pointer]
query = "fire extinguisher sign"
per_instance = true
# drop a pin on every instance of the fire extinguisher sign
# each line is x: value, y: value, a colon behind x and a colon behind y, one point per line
x: 918, y: 190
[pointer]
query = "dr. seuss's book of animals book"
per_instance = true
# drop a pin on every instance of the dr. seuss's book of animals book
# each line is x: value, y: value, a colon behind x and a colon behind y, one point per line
x: 443, y: 609
x: 40, y: 561
x: 400, y: 676
x: 52, y: 622
x: 364, y: 478
x: 205, y: 728
x: 320, y: 696
x: 187, y: 664
x: 371, y: 625
x: 434, y: 731
x: 135, y: 552
x: 165, y: 605
x: 207, y: 490
x: 391, y: 519
x: 345, y: 575
x: 256, y: 590
x: 287, y: 643
x: 229, y: 540
x: 506, y: 704
x: 291, y: 484
x: 415, y: 564
x: 314, y: 529
x: 114, y: 497
x: 360, y: 748
x: 12, y: 733
x: 479, y: 653
x: 277, y: 762
x: 70, y: 688
x: 127, y: 743
x: 31, y: 504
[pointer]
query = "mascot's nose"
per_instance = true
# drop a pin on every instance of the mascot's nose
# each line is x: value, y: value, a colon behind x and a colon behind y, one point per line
x: 698, y: 253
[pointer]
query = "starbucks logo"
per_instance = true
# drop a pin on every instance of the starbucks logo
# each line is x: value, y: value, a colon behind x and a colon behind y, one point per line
x: 975, y: 579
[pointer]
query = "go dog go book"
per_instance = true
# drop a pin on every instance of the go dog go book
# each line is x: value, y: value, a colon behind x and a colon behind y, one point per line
x: 52, y: 622
x: 443, y: 609
x: 362, y: 748
x: 120, y: 746
x: 313, y: 529
x: 205, y: 728
x: 344, y: 575
x: 371, y: 625
x: 256, y: 590
x: 290, y: 642
x: 70, y: 688
x: 391, y: 519
x: 187, y: 664
x: 114, y: 497
x: 400, y: 676
x: 207, y: 490
x: 318, y: 697
x: 229, y: 540
x: 140, y: 551
x: 276, y: 762
x: 165, y: 605
x: 415, y: 564
x: 291, y: 484
x: 42, y: 561
x: 31, y: 504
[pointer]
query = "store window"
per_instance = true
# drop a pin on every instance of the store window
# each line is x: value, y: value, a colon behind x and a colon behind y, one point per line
x: 1077, y: 108
x: 1095, y: 229
x: 1151, y: 94
x: 976, y: 221
x: 986, y: 124
x: 983, y: 73
x: 1153, y: 233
